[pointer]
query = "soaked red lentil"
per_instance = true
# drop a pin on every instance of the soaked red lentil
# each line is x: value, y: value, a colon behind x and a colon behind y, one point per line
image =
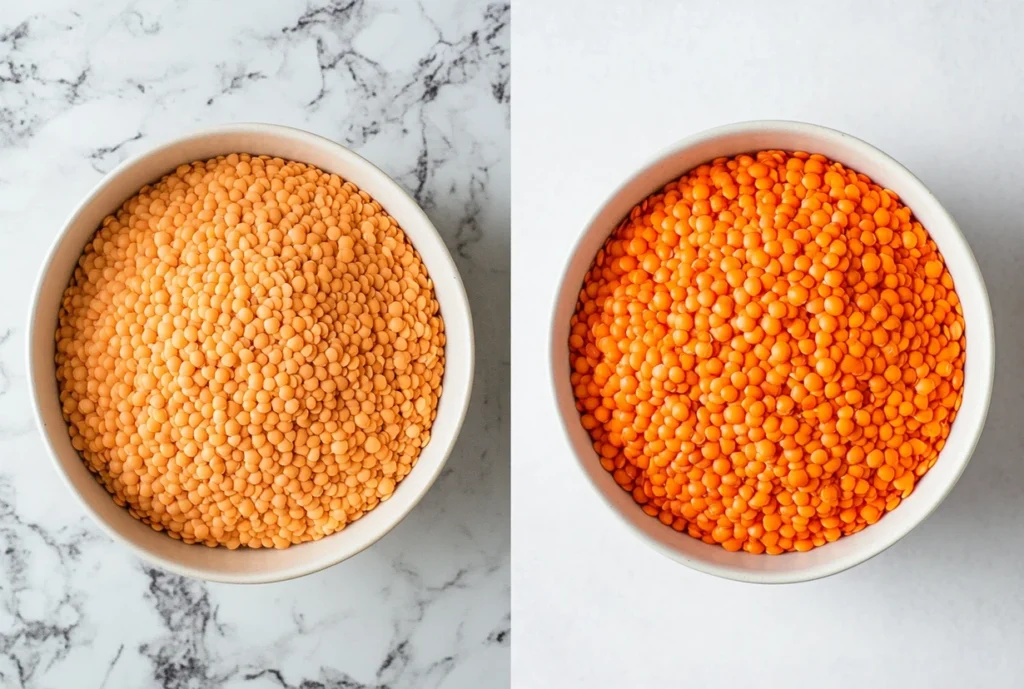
x: 768, y: 353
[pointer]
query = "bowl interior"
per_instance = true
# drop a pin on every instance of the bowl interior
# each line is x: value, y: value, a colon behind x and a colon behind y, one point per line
x: 245, y: 565
x: 846, y: 552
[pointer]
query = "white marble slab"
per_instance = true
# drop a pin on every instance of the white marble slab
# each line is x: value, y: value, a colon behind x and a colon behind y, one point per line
x: 421, y: 89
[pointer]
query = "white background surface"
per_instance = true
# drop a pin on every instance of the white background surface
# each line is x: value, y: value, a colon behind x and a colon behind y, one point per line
x: 600, y: 87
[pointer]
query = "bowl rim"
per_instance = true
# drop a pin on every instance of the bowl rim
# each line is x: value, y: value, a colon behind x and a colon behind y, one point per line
x: 282, y: 132
x: 986, y: 341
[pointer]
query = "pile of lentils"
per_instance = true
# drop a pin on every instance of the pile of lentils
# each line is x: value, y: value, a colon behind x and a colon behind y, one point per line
x: 250, y: 353
x: 769, y: 352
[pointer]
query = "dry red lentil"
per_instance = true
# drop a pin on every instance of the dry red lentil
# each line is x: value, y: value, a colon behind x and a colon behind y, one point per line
x: 768, y: 353
x: 249, y: 353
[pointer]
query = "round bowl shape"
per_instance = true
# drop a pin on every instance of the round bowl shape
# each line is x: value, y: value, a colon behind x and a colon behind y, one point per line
x: 748, y: 137
x: 245, y: 565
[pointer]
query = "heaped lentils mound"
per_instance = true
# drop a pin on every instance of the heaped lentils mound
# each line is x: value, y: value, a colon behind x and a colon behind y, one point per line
x: 769, y: 353
x: 250, y: 353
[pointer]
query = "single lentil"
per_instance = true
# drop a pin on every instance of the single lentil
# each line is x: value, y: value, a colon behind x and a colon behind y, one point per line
x: 768, y: 353
x: 249, y: 353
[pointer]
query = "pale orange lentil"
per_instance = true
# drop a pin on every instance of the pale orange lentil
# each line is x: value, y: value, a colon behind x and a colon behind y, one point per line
x: 250, y: 353
x: 768, y: 353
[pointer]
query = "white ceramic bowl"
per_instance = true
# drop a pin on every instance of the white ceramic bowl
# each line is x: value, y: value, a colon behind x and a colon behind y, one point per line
x: 243, y: 565
x: 747, y: 137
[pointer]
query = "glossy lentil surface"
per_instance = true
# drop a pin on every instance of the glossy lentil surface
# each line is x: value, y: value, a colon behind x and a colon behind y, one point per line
x: 249, y: 353
x: 768, y: 353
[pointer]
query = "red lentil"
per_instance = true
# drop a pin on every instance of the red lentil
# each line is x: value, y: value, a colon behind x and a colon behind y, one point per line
x: 249, y: 353
x: 768, y: 353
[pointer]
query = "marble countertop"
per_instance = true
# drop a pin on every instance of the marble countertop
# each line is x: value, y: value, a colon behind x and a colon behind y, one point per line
x: 603, y: 87
x: 422, y: 90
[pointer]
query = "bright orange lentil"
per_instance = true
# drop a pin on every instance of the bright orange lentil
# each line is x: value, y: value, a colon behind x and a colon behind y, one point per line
x: 768, y: 353
x: 250, y: 353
